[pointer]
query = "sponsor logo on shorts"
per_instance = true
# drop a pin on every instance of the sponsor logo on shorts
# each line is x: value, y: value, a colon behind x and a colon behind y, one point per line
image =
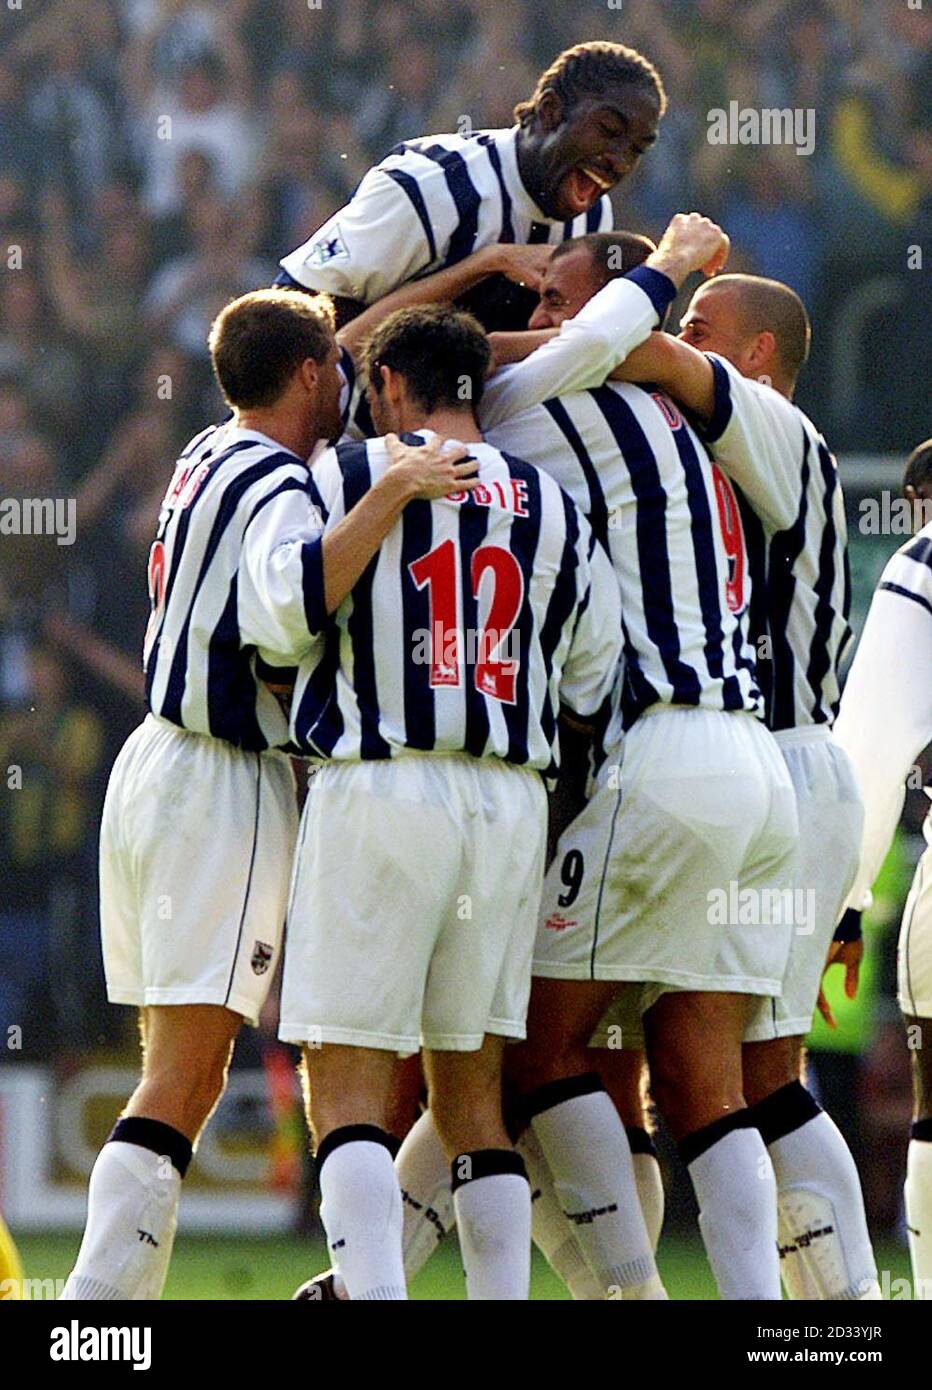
x: 261, y: 957
x: 557, y: 922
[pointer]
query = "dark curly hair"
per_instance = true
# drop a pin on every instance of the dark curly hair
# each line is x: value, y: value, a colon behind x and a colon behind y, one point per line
x: 442, y: 353
x: 590, y: 69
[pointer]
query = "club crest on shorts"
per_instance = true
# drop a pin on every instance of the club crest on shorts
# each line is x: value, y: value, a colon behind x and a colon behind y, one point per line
x: 261, y: 957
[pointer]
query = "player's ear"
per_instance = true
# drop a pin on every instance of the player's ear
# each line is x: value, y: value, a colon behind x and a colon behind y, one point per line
x: 550, y: 110
x: 308, y: 372
x: 763, y: 350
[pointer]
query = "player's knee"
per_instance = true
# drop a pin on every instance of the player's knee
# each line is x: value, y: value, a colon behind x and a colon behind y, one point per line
x: 768, y: 1067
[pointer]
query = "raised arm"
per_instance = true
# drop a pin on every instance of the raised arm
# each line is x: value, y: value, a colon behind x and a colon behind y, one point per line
x: 522, y: 264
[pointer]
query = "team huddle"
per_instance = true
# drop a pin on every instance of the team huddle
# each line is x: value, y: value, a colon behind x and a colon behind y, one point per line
x: 451, y: 567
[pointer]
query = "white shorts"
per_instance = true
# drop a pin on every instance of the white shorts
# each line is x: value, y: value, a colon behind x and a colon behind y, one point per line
x: 914, y: 955
x: 831, y: 818
x: 414, y: 904
x: 196, y: 846
x: 646, y: 882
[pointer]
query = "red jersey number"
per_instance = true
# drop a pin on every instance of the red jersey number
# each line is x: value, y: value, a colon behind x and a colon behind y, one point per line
x: 439, y: 571
x: 733, y: 536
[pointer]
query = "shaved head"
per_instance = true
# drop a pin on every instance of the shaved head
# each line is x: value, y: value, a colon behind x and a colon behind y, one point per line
x: 770, y: 306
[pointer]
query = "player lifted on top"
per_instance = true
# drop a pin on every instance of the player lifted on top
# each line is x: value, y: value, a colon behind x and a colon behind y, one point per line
x: 884, y: 724
x: 434, y: 201
x: 757, y: 334
x: 200, y: 817
x: 434, y: 697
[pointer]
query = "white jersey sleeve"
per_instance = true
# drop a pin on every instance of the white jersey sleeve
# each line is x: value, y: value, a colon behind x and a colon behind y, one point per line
x: 885, y: 719
x: 367, y: 249
x: 757, y: 436
x: 585, y: 351
x: 592, y: 662
x: 280, y: 588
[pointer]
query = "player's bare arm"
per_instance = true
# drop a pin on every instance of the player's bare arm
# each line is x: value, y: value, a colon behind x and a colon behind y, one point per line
x: 429, y: 471
x: 682, y: 371
x: 524, y: 265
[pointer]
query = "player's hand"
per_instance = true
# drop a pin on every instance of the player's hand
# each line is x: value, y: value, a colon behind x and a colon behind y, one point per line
x: 434, y: 469
x: 691, y: 242
x: 849, y: 954
x: 525, y: 265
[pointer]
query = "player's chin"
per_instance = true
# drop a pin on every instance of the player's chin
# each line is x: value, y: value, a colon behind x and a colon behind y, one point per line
x: 576, y: 195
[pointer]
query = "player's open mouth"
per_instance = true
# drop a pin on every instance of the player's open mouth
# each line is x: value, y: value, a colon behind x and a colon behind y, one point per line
x: 585, y: 186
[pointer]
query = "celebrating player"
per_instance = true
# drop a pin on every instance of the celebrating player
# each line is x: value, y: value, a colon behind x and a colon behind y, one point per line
x: 434, y: 201
x: 434, y: 700
x: 200, y: 817
x: 758, y: 333
x: 884, y: 723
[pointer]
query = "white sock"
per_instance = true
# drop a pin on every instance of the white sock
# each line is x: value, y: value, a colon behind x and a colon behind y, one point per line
x: 493, y: 1217
x: 918, y: 1193
x: 823, y: 1227
x: 360, y: 1208
x: 649, y: 1181
x: 586, y: 1148
x: 132, y: 1214
x: 426, y: 1193
x: 553, y: 1235
x: 737, y: 1194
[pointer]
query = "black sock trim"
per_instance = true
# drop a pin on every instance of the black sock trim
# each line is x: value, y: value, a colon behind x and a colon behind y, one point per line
x: 922, y: 1129
x: 639, y: 1141
x: 159, y: 1138
x: 353, y: 1134
x: 785, y: 1110
x: 485, y: 1163
x: 556, y: 1092
x: 703, y: 1139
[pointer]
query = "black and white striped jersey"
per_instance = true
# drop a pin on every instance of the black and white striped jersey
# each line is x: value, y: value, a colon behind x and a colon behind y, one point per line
x: 797, y: 543
x: 885, y: 720
x: 669, y: 521
x: 429, y: 204
x: 236, y: 587
x: 481, y: 613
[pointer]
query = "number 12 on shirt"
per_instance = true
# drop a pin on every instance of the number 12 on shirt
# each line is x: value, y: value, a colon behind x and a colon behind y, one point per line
x: 438, y: 570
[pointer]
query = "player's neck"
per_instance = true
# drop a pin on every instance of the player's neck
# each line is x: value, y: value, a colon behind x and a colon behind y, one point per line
x: 278, y: 426
x: 453, y: 424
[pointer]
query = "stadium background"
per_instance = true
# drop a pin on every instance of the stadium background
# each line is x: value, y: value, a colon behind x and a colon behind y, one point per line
x: 122, y: 235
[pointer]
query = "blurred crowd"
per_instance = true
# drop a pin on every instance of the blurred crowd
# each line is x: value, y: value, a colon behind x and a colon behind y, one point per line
x: 157, y: 157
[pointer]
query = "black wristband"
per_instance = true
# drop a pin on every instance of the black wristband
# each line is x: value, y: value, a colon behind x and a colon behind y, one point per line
x: 849, y: 928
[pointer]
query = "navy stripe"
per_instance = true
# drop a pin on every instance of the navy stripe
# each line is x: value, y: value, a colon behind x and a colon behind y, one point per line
x: 560, y: 610
x: 722, y: 407
x: 473, y: 529
x: 597, y: 511
x: 707, y: 576
x: 507, y: 233
x: 594, y: 217
x: 231, y: 685
x: 905, y: 593
x: 920, y: 551
x: 523, y: 543
x: 785, y: 549
x: 455, y: 170
x: 756, y: 545
x: 410, y: 186
x: 820, y: 655
x: 417, y: 531
x: 539, y: 233
x: 317, y: 721
x: 653, y: 557
x: 171, y: 705
x: 357, y: 480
